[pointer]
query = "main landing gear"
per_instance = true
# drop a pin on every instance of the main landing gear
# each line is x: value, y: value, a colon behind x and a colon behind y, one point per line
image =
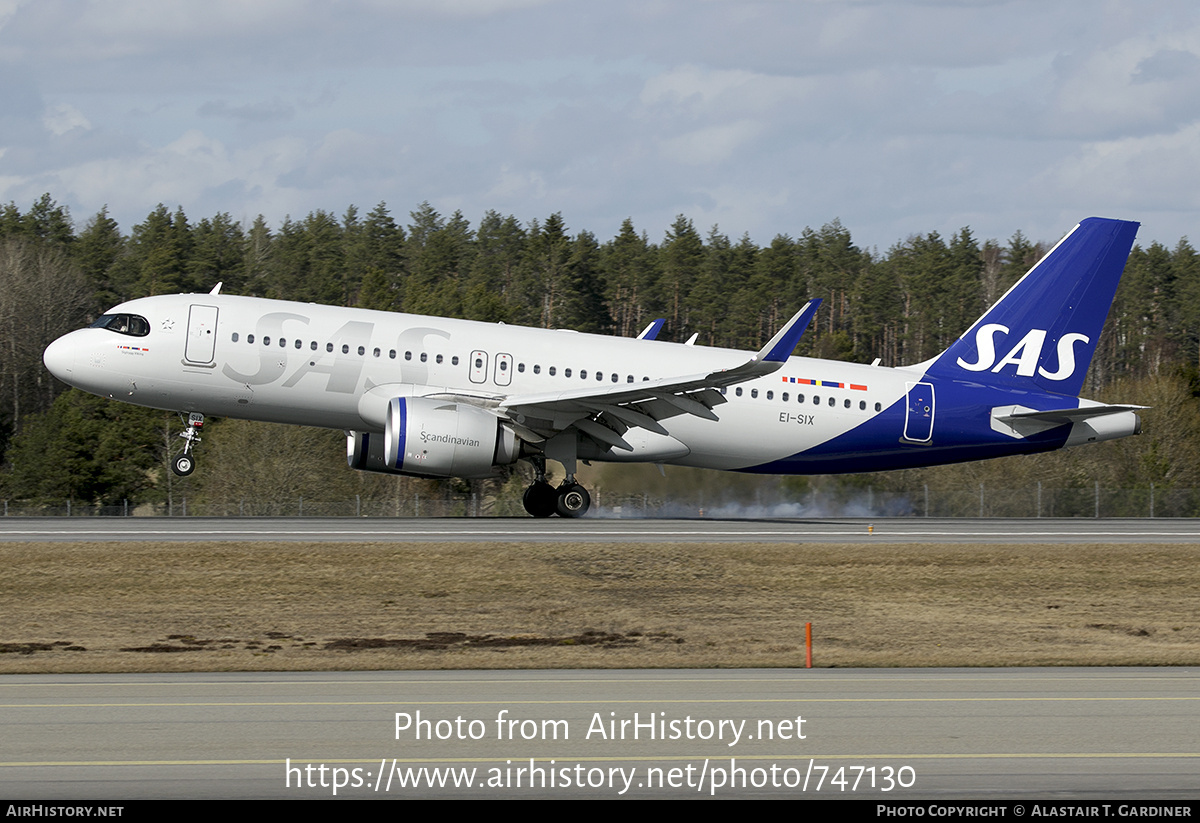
x: 568, y: 500
x: 185, y: 464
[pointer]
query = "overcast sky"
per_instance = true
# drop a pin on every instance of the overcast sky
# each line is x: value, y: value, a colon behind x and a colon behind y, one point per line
x: 898, y: 117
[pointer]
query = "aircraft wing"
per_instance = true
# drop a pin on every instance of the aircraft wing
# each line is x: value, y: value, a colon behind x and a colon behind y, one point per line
x: 605, y: 413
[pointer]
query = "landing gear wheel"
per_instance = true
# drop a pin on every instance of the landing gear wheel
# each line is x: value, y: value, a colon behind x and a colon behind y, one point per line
x: 541, y: 499
x: 184, y: 465
x: 573, y: 500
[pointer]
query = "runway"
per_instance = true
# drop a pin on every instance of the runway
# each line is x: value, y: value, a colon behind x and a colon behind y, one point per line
x: 403, y: 530
x: 1061, y: 735
x: 1064, y: 735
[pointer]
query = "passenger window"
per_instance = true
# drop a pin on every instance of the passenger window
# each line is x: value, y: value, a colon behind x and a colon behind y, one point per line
x: 537, y: 369
x: 583, y: 374
x: 552, y: 371
x: 408, y: 355
x: 249, y: 338
x: 878, y: 407
x: 784, y: 397
x: 833, y: 401
x: 313, y: 345
x: 862, y: 405
x: 378, y: 352
x: 328, y: 347
x: 454, y: 360
x: 503, y: 365
x: 816, y: 400
x: 283, y: 342
x: 738, y: 391
x: 299, y: 342
x: 266, y: 341
x: 754, y: 392
x: 566, y: 372
x: 362, y: 350
x: 235, y: 337
x: 770, y: 395
x: 615, y: 377
x: 521, y: 368
x: 799, y: 398
x: 392, y: 354
x: 425, y: 357
x: 629, y: 378
x: 439, y: 359
x: 847, y: 404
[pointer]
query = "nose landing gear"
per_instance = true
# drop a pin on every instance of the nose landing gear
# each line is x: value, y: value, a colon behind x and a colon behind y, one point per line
x: 185, y: 464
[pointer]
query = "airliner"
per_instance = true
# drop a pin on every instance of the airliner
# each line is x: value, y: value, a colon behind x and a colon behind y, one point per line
x: 438, y: 397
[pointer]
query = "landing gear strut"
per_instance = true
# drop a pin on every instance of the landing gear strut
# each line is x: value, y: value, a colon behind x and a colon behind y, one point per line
x: 542, y: 500
x: 185, y: 464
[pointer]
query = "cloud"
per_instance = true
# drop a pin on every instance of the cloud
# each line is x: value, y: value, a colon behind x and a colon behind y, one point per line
x: 257, y: 112
x: 899, y: 117
x: 712, y: 144
x: 1168, y: 65
x: 63, y: 117
x: 1142, y: 84
x: 1153, y: 172
x: 691, y: 86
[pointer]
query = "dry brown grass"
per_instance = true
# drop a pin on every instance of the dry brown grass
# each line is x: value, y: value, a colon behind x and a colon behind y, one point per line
x: 114, y: 607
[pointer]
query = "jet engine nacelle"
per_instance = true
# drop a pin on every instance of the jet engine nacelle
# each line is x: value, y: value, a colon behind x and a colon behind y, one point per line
x: 434, y: 438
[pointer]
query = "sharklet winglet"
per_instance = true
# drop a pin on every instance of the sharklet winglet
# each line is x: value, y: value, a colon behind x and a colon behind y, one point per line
x: 780, y: 347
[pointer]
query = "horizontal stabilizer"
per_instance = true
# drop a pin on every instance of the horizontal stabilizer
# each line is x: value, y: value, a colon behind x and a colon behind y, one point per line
x: 1061, y: 416
x: 1019, y: 421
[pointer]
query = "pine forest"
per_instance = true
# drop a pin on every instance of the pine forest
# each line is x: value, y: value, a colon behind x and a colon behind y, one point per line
x: 63, y: 447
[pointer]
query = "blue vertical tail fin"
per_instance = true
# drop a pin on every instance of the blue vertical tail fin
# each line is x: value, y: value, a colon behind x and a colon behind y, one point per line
x: 1042, y: 333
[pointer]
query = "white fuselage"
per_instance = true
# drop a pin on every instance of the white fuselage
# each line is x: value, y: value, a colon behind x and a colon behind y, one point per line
x: 453, y: 398
x: 309, y: 364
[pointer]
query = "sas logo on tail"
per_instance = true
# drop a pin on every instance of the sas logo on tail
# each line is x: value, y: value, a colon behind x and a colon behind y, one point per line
x: 1025, y: 355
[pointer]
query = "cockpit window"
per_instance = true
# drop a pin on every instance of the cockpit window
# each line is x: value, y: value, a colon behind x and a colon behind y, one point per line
x: 131, y: 324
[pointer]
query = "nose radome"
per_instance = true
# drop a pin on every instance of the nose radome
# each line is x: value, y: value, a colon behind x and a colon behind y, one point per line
x: 59, y: 358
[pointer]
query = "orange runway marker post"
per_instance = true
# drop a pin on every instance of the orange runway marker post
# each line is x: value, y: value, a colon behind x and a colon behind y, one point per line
x: 808, y: 645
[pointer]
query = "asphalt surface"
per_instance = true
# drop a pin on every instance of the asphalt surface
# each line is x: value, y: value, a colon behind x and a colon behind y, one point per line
x: 1061, y: 735
x: 837, y: 530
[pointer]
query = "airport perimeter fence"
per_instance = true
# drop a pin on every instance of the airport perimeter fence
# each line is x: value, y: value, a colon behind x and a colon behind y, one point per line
x: 982, y: 501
